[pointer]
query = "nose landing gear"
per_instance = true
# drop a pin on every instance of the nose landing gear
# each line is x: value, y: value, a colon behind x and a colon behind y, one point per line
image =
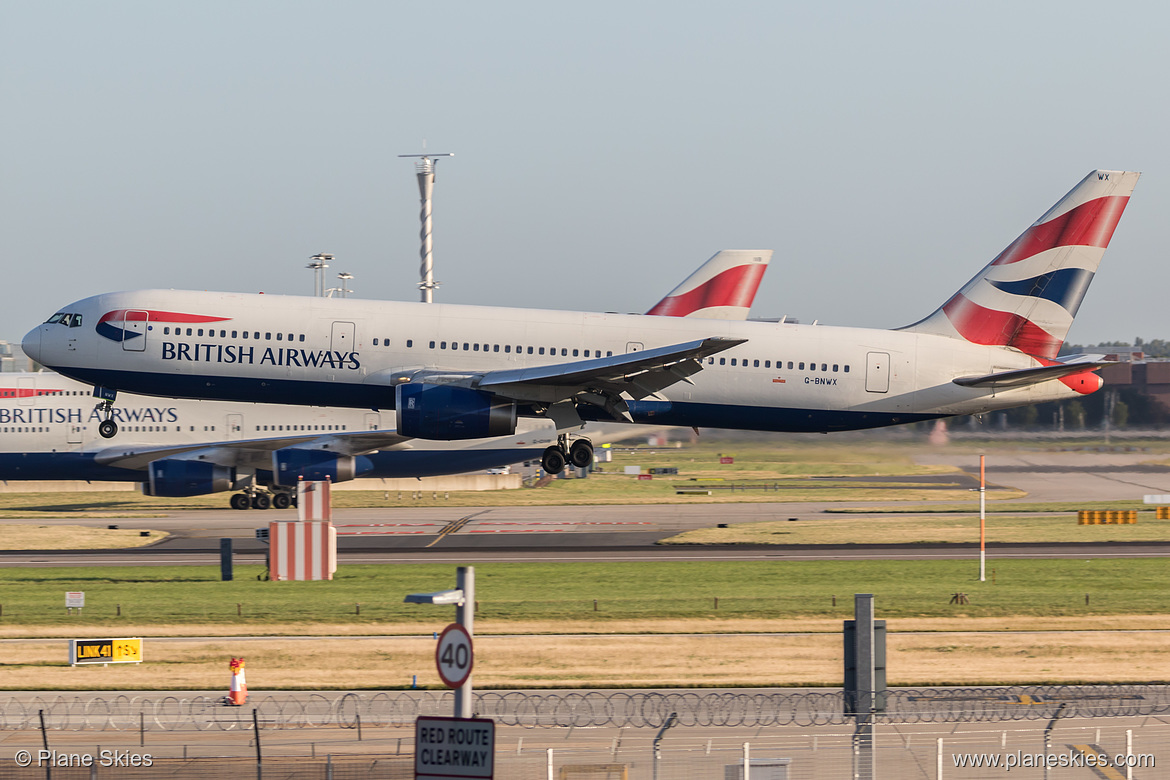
x: 107, y: 427
x: 555, y: 458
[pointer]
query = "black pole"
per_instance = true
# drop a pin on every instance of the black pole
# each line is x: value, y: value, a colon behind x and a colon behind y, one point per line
x: 225, y: 559
x: 256, y: 731
x: 45, y: 742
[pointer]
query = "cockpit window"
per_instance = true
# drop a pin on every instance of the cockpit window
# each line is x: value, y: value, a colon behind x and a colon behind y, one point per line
x: 58, y: 318
x: 76, y: 323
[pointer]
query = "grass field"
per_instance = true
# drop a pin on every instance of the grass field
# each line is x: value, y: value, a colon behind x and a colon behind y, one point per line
x: 947, y: 527
x: 654, y: 624
x: 530, y: 593
x: 604, y: 661
x: 72, y: 537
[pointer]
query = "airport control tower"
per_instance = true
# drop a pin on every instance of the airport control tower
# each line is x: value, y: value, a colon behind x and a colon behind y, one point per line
x: 425, y: 168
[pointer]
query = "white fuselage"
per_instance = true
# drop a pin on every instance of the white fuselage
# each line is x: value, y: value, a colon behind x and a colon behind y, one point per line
x: 317, y: 351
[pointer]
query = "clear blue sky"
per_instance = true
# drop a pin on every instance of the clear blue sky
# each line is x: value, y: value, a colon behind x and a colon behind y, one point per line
x: 884, y: 151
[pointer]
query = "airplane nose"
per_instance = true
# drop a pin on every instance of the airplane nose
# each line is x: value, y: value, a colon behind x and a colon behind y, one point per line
x: 31, y: 344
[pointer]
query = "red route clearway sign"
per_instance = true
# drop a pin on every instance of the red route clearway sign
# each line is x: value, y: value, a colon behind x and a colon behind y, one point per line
x: 454, y: 748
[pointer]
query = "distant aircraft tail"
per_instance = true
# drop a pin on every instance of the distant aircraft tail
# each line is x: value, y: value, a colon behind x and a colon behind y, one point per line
x: 723, y: 288
x: 1028, y: 296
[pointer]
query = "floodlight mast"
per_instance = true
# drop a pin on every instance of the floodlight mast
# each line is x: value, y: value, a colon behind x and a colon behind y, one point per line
x: 425, y: 169
x: 320, y: 262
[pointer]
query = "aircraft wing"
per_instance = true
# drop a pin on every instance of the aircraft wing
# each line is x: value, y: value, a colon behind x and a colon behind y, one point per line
x: 639, y: 374
x: 1030, y: 376
x: 255, y: 453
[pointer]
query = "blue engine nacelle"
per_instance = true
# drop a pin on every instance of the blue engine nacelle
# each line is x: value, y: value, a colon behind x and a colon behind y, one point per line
x: 291, y: 464
x: 449, y: 412
x: 178, y: 478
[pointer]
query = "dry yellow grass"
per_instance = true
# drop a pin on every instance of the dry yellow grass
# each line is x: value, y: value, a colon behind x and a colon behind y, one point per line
x: 953, y: 653
x: 957, y: 624
x: 72, y: 537
x: 914, y: 529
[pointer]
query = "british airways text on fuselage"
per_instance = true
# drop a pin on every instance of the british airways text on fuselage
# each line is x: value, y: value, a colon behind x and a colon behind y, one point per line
x: 42, y: 416
x: 246, y: 355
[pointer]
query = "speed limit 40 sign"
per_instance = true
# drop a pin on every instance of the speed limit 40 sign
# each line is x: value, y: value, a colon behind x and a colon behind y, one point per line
x: 454, y: 656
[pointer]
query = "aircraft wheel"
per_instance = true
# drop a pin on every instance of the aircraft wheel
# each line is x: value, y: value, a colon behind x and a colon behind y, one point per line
x: 108, y: 429
x: 240, y: 501
x: 261, y: 501
x: 281, y: 501
x: 553, y: 460
x: 581, y: 453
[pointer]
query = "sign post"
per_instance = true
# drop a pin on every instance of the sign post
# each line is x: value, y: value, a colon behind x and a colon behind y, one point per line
x: 74, y: 599
x: 463, y: 597
x: 105, y: 651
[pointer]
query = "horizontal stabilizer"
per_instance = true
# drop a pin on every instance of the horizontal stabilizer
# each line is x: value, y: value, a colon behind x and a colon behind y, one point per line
x: 1032, y: 376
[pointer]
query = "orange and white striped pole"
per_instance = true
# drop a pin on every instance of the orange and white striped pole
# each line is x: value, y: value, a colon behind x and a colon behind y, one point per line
x: 238, y: 693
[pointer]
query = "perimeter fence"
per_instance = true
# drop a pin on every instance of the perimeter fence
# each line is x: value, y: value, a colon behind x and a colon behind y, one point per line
x: 586, y: 709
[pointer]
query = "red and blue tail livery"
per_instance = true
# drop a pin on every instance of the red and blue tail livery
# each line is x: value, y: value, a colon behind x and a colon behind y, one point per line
x: 127, y: 324
x: 1027, y: 296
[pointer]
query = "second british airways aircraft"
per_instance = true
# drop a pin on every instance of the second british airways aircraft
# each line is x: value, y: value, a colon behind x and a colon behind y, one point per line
x: 456, y: 372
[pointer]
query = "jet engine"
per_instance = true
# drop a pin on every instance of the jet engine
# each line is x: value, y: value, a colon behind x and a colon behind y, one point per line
x: 178, y: 478
x: 447, y: 412
x: 292, y: 463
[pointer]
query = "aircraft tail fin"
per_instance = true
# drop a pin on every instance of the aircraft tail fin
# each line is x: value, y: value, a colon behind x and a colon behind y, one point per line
x: 723, y: 288
x: 1029, y: 294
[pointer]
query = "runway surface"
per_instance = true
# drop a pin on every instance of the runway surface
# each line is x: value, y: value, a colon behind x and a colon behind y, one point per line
x: 631, y: 532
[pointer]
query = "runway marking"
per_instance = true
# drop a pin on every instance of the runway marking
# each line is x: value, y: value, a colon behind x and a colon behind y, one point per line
x: 385, y: 525
x: 564, y: 522
x: 1107, y: 772
x: 455, y: 526
x: 379, y: 533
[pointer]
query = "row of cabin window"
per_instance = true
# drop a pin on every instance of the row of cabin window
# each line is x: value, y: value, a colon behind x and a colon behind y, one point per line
x: 14, y: 393
x: 519, y: 350
x: 126, y: 428
x: 302, y: 427
x: 779, y: 364
x: 235, y: 334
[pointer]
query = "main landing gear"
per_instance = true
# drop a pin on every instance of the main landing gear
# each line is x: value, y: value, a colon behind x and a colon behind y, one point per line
x: 263, y: 499
x: 555, y: 458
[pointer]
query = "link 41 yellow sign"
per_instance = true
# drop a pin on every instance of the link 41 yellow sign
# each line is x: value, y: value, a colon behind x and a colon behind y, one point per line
x: 105, y: 651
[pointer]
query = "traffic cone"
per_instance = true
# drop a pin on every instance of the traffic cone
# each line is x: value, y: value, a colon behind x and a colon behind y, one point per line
x: 238, y: 694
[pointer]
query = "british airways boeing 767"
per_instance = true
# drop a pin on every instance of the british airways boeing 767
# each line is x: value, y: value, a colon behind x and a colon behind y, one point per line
x: 455, y: 372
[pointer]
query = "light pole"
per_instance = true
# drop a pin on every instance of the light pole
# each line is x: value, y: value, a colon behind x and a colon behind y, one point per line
x: 463, y: 597
x: 319, y: 262
x: 344, y: 276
